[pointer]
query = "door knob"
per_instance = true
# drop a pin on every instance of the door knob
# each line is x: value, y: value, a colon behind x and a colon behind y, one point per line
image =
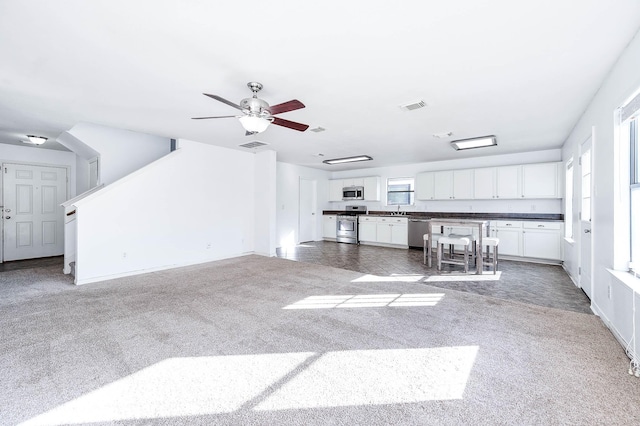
x: 8, y: 217
x: 587, y: 231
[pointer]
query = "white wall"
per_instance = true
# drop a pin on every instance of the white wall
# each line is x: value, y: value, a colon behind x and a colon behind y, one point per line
x: 482, y: 206
x: 121, y: 151
x: 610, y: 237
x: 265, y: 203
x: 191, y: 206
x: 288, y: 199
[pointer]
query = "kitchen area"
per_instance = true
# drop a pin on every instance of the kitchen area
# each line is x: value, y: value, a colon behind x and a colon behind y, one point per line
x: 533, y: 236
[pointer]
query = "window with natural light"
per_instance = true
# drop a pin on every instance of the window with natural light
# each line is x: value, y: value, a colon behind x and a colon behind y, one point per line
x: 634, y: 194
x: 568, y: 200
x: 630, y: 139
x: 400, y: 191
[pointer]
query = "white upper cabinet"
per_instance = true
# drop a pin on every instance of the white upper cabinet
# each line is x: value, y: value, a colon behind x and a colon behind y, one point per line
x: 541, y: 181
x: 425, y: 186
x: 335, y: 190
x: 463, y: 184
x: 353, y: 182
x: 509, y: 182
x: 371, y: 188
x: 443, y: 182
x: 484, y: 183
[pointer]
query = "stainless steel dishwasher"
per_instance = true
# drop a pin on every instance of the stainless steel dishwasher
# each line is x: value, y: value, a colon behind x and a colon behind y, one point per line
x: 417, y: 229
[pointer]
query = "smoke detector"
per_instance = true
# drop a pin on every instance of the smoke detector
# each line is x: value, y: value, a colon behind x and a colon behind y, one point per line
x: 442, y: 135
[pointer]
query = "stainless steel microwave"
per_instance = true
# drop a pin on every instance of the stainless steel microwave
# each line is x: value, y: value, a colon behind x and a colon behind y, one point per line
x: 353, y: 193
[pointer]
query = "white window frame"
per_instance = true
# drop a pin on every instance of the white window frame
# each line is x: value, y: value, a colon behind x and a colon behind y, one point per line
x: 410, y: 192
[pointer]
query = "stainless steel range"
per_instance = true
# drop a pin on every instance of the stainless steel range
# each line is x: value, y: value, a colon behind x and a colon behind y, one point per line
x: 347, y: 224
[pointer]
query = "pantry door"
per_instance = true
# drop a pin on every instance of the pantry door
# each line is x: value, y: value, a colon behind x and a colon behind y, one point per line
x: 32, y: 216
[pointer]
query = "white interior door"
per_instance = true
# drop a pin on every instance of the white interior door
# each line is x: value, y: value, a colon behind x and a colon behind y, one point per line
x: 307, y: 209
x: 32, y: 217
x: 585, y: 218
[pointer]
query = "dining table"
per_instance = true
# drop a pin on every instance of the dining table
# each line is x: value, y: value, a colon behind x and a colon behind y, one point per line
x: 481, y: 224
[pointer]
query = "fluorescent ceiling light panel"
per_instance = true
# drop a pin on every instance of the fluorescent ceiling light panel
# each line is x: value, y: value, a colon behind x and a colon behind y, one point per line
x: 348, y: 159
x: 474, y: 143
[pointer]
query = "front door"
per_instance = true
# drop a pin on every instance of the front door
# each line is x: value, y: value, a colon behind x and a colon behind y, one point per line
x: 32, y: 216
x: 585, y: 218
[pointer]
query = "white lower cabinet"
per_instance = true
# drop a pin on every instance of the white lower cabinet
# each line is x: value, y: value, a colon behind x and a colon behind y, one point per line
x: 367, y: 229
x: 510, y: 235
x: 329, y: 226
x: 542, y: 240
x: 529, y: 239
x: 384, y: 230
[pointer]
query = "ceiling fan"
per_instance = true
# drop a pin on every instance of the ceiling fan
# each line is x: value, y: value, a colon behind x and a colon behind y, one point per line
x: 257, y: 114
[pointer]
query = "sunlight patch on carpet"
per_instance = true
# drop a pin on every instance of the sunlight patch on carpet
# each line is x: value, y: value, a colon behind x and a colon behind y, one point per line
x: 367, y: 301
x: 177, y: 387
x: 374, y: 377
x: 195, y: 386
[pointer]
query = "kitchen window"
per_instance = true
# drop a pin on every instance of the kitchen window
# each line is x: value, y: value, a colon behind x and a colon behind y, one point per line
x: 400, y: 191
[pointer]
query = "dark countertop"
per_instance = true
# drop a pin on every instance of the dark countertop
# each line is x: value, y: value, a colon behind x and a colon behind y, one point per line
x: 460, y: 215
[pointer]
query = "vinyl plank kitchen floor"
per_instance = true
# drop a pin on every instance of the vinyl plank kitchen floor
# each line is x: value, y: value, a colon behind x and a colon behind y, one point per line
x: 538, y: 284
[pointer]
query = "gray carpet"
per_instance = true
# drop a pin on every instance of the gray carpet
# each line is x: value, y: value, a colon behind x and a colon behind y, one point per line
x: 261, y: 340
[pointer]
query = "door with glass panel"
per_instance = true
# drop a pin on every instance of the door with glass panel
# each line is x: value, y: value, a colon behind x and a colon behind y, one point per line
x: 585, y: 217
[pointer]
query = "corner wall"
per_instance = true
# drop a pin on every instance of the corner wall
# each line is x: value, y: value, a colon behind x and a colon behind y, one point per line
x: 610, y: 239
x: 121, y: 151
x: 183, y: 209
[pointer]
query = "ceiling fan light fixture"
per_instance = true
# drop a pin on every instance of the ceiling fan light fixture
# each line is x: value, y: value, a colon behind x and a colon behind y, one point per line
x: 252, y: 123
x: 348, y: 159
x: 36, y: 140
x: 474, y: 143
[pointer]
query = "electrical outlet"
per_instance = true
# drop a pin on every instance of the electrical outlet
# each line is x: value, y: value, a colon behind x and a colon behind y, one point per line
x: 208, y: 245
x: 124, y: 255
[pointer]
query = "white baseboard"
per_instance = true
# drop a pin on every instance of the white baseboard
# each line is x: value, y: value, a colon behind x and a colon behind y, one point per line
x: 155, y: 269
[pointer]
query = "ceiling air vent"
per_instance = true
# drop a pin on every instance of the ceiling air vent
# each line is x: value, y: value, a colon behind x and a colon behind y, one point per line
x: 253, y: 144
x: 413, y: 105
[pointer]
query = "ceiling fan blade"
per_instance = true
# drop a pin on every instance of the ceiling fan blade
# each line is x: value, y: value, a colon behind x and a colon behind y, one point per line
x: 286, y: 107
x: 224, y: 101
x: 290, y: 124
x: 206, y: 118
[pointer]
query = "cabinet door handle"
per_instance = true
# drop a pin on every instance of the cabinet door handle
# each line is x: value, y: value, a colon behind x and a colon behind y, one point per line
x: 540, y: 226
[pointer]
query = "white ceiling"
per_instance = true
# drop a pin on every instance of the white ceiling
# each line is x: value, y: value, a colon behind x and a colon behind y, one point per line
x: 523, y: 71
